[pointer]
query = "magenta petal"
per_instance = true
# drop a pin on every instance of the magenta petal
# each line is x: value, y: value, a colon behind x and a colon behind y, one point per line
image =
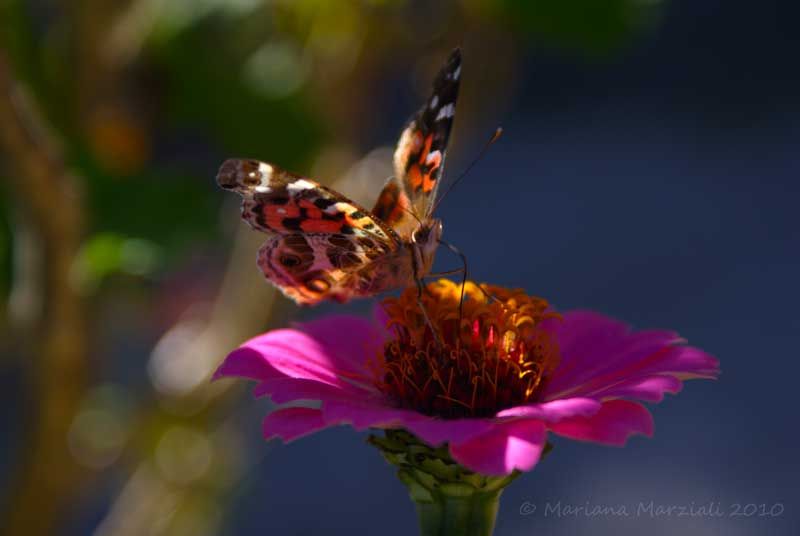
x: 507, y: 446
x: 291, y: 423
x: 282, y: 390
x: 649, y: 389
x: 331, y: 350
x: 368, y: 412
x: 576, y: 328
x: 438, y: 431
x: 590, y: 342
x: 349, y: 340
x: 598, y: 353
x: 372, y: 412
x: 381, y: 316
x: 616, y: 421
x: 278, y: 354
x: 688, y: 362
x: 555, y: 410
x: 245, y: 363
x: 680, y: 362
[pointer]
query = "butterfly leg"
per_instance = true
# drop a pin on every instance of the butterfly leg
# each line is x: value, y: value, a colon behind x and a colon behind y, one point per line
x: 488, y: 294
x: 463, y: 270
x: 420, y: 290
x: 458, y: 252
x: 440, y: 274
x: 446, y: 272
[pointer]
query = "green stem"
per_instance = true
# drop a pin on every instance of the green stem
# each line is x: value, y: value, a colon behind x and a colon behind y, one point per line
x: 451, y: 500
x: 447, y: 515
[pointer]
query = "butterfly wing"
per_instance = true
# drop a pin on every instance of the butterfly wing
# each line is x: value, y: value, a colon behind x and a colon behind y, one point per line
x: 324, y: 245
x: 311, y: 267
x: 419, y: 157
x: 393, y: 207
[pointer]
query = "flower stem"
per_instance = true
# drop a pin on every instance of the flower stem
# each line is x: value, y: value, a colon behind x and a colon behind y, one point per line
x: 450, y: 499
x: 464, y: 516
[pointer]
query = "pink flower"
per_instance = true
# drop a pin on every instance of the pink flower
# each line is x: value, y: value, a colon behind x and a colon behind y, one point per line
x: 492, y: 389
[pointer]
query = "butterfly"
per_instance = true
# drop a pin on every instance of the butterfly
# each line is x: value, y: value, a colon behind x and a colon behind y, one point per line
x: 322, y: 245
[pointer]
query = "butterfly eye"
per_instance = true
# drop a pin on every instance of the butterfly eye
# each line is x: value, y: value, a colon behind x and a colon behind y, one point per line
x: 290, y: 261
x: 421, y: 235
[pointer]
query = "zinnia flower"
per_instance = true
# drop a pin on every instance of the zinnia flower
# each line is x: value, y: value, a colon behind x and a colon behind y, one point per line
x: 499, y: 373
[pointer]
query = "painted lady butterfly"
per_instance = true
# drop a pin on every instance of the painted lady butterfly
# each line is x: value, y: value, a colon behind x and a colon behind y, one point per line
x: 325, y: 246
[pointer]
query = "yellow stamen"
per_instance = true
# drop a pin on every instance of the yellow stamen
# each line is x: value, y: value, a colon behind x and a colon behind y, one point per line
x: 495, y: 356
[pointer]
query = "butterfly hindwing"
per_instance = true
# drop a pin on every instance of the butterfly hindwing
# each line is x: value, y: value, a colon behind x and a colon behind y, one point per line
x: 309, y: 267
x: 393, y: 207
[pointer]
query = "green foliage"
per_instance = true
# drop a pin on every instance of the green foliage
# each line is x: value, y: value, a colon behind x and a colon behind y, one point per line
x: 206, y: 87
x: 105, y: 254
x: 593, y: 26
x: 166, y: 208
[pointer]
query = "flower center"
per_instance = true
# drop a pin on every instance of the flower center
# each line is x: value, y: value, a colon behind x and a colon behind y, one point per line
x: 495, y: 355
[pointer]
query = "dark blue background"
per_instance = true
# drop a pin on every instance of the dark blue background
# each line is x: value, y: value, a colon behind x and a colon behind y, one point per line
x: 662, y: 189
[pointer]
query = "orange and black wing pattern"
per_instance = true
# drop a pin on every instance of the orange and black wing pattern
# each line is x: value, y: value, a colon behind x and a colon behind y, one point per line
x: 277, y: 201
x: 324, y: 246
x: 420, y: 154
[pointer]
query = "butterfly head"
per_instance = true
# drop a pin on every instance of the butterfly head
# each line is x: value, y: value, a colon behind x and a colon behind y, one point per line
x: 425, y: 241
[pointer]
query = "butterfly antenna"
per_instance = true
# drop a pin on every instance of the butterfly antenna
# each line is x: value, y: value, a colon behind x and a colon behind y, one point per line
x: 497, y: 133
x: 411, y: 212
x: 458, y: 252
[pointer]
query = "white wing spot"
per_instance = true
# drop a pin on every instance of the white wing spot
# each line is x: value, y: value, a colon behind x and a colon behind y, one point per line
x: 434, y: 101
x: 432, y: 156
x: 446, y: 112
x: 457, y: 73
x: 299, y: 186
x: 347, y: 208
x: 266, y: 176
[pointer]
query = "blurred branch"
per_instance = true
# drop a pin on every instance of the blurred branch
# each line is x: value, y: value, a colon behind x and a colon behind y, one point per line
x: 48, y: 199
x: 149, y: 502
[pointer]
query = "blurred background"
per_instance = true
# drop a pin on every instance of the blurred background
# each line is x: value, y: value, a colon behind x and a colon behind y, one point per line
x: 648, y: 170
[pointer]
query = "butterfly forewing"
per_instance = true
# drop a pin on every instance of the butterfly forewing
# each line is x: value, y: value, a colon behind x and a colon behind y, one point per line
x: 277, y: 201
x: 419, y: 157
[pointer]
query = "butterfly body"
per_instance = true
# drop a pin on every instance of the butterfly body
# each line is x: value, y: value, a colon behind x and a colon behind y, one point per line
x: 322, y: 245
